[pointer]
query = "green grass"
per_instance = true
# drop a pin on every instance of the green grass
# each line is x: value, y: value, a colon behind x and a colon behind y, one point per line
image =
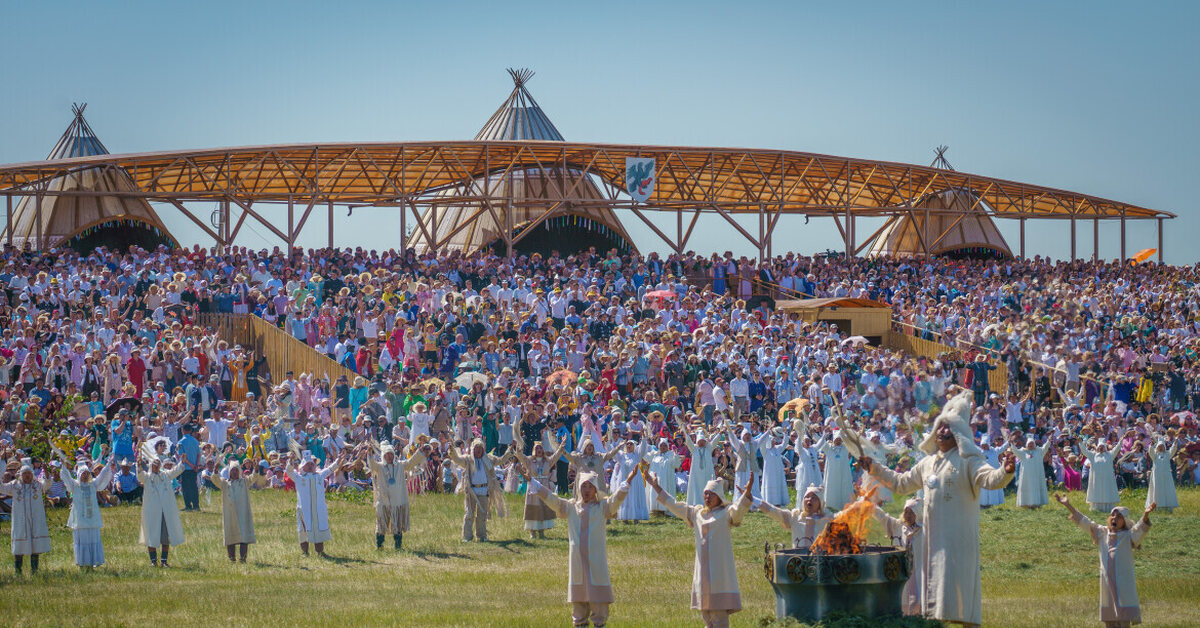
x: 1038, y: 570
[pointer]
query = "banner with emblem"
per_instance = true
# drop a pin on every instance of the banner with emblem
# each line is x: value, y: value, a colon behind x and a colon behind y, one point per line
x: 639, y: 177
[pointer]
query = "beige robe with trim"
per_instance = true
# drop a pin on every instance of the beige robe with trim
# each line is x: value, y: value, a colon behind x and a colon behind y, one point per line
x: 390, y: 487
x: 159, y: 504
x: 30, y: 534
x: 1118, y: 587
x: 237, y: 522
x: 714, y: 573
x: 587, y: 531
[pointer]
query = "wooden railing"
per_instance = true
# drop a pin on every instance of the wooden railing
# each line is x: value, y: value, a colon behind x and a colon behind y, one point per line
x: 283, y: 352
x: 917, y: 346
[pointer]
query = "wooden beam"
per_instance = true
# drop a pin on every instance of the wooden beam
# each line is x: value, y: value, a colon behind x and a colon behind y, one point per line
x: 871, y: 238
x: 638, y: 212
x: 331, y: 223
x: 735, y: 225
x: 200, y: 223
x: 253, y: 214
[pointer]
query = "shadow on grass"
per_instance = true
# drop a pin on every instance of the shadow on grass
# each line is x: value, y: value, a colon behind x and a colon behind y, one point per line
x: 346, y: 560
x: 508, y: 544
x: 426, y: 555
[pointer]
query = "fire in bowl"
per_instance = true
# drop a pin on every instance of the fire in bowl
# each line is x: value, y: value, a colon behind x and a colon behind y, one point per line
x: 809, y: 586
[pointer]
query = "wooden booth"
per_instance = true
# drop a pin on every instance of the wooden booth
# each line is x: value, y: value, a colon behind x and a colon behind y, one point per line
x: 856, y: 317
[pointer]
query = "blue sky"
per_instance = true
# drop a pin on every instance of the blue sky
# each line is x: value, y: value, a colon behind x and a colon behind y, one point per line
x: 1095, y: 97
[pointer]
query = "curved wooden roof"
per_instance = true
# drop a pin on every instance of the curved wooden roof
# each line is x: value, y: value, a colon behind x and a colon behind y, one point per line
x: 732, y: 180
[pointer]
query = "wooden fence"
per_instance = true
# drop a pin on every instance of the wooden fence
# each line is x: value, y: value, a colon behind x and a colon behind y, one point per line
x: 917, y: 346
x: 283, y: 352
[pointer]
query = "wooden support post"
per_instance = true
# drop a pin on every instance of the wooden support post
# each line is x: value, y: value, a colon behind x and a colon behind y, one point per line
x: 846, y: 235
x: 762, y: 233
x: 508, y: 226
x: 925, y: 232
x: 1160, y: 240
x: 1022, y: 220
x: 1096, y: 240
x: 679, y: 230
x: 1072, y: 238
x: 1123, y: 237
x: 330, y: 245
x: 8, y: 221
x: 850, y: 232
x: 291, y: 234
x: 403, y: 231
x: 38, y: 216
x: 226, y: 227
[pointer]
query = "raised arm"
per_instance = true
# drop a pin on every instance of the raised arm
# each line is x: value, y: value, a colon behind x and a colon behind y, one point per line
x: 683, y: 511
x: 552, y: 501
x: 417, y: 458
x: 900, y: 483
x: 784, y: 517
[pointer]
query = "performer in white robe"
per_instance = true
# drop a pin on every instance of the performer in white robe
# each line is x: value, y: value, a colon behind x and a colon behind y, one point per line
x: 1102, y: 480
x: 30, y: 534
x: 1162, y: 484
x: 952, y: 473
x: 1119, y: 606
x: 715, y: 591
x: 84, y: 520
x: 991, y: 496
x: 237, y: 521
x: 805, y: 523
x: 871, y: 446
x: 774, y: 482
x: 838, y: 485
x: 625, y: 463
x: 663, y: 465
x: 745, y: 452
x: 701, y: 473
x: 480, y: 487
x: 312, y: 519
x: 541, y: 467
x: 161, y: 526
x: 1031, y: 481
x: 589, y: 589
x: 586, y: 458
x: 808, y: 464
x: 907, y: 532
x: 389, y: 484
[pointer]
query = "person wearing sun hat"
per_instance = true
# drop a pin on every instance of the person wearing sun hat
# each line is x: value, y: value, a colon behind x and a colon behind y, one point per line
x: 589, y: 589
x: 30, y: 534
x: 715, y: 590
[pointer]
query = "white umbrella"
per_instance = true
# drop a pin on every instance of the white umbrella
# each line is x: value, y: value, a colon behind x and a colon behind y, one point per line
x: 857, y: 340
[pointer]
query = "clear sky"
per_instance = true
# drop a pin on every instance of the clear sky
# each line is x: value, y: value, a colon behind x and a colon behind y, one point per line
x: 1093, y: 97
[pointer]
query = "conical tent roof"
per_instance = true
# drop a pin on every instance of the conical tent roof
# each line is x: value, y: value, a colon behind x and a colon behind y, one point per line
x: 518, y: 118
x: 61, y: 218
x: 946, y: 233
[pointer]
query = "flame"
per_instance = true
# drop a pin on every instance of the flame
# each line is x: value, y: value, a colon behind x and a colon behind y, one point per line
x: 847, y: 533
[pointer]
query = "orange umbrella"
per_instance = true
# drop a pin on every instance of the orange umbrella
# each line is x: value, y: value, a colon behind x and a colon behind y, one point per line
x: 562, y: 377
x: 1142, y: 256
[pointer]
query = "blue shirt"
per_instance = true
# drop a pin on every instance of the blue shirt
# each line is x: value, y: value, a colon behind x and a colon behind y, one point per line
x: 190, y: 448
x: 123, y: 442
x: 127, y: 482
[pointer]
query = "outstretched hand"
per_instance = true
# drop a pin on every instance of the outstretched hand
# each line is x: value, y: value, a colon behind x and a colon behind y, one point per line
x: 629, y: 478
x: 749, y: 483
x: 1146, y: 515
x: 1009, y: 462
x: 1062, y: 499
x: 653, y: 481
x: 865, y: 463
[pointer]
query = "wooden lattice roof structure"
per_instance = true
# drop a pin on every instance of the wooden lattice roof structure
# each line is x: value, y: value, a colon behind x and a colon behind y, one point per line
x: 690, y: 181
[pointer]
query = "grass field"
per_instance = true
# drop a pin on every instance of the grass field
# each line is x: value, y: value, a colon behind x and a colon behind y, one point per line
x: 1038, y: 570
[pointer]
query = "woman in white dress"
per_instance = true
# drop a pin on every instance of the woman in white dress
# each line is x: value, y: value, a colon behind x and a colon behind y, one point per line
x: 1119, y: 605
x: 839, y: 482
x: 312, y: 519
x: 808, y: 465
x: 1102, y: 480
x: 30, y: 534
x: 625, y: 463
x: 664, y: 463
x: 1031, y: 483
x: 84, y: 520
x: 745, y: 452
x: 774, y: 487
x: 991, y: 496
x: 702, y: 466
x: 1162, y: 485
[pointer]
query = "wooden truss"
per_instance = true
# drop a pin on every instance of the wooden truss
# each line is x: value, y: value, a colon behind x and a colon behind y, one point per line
x: 690, y: 182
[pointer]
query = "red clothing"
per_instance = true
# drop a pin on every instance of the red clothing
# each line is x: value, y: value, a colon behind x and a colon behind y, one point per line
x: 137, y: 374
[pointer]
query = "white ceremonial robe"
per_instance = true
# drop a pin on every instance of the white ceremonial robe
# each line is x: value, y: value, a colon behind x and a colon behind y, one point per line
x: 746, y: 462
x: 30, y: 534
x: 774, y: 478
x: 389, y: 483
x: 1118, y: 587
x: 714, y: 572
x: 237, y: 522
x: 804, y: 528
x: 700, y: 473
x: 912, y: 538
x: 1031, y: 483
x: 312, y: 519
x: 663, y: 467
x: 991, y: 496
x: 808, y: 469
x: 159, y: 506
x: 84, y: 521
x: 950, y: 514
x: 880, y: 452
x: 839, y: 480
x: 1102, y: 481
x: 587, y: 534
x: 631, y: 509
x: 1162, y: 484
